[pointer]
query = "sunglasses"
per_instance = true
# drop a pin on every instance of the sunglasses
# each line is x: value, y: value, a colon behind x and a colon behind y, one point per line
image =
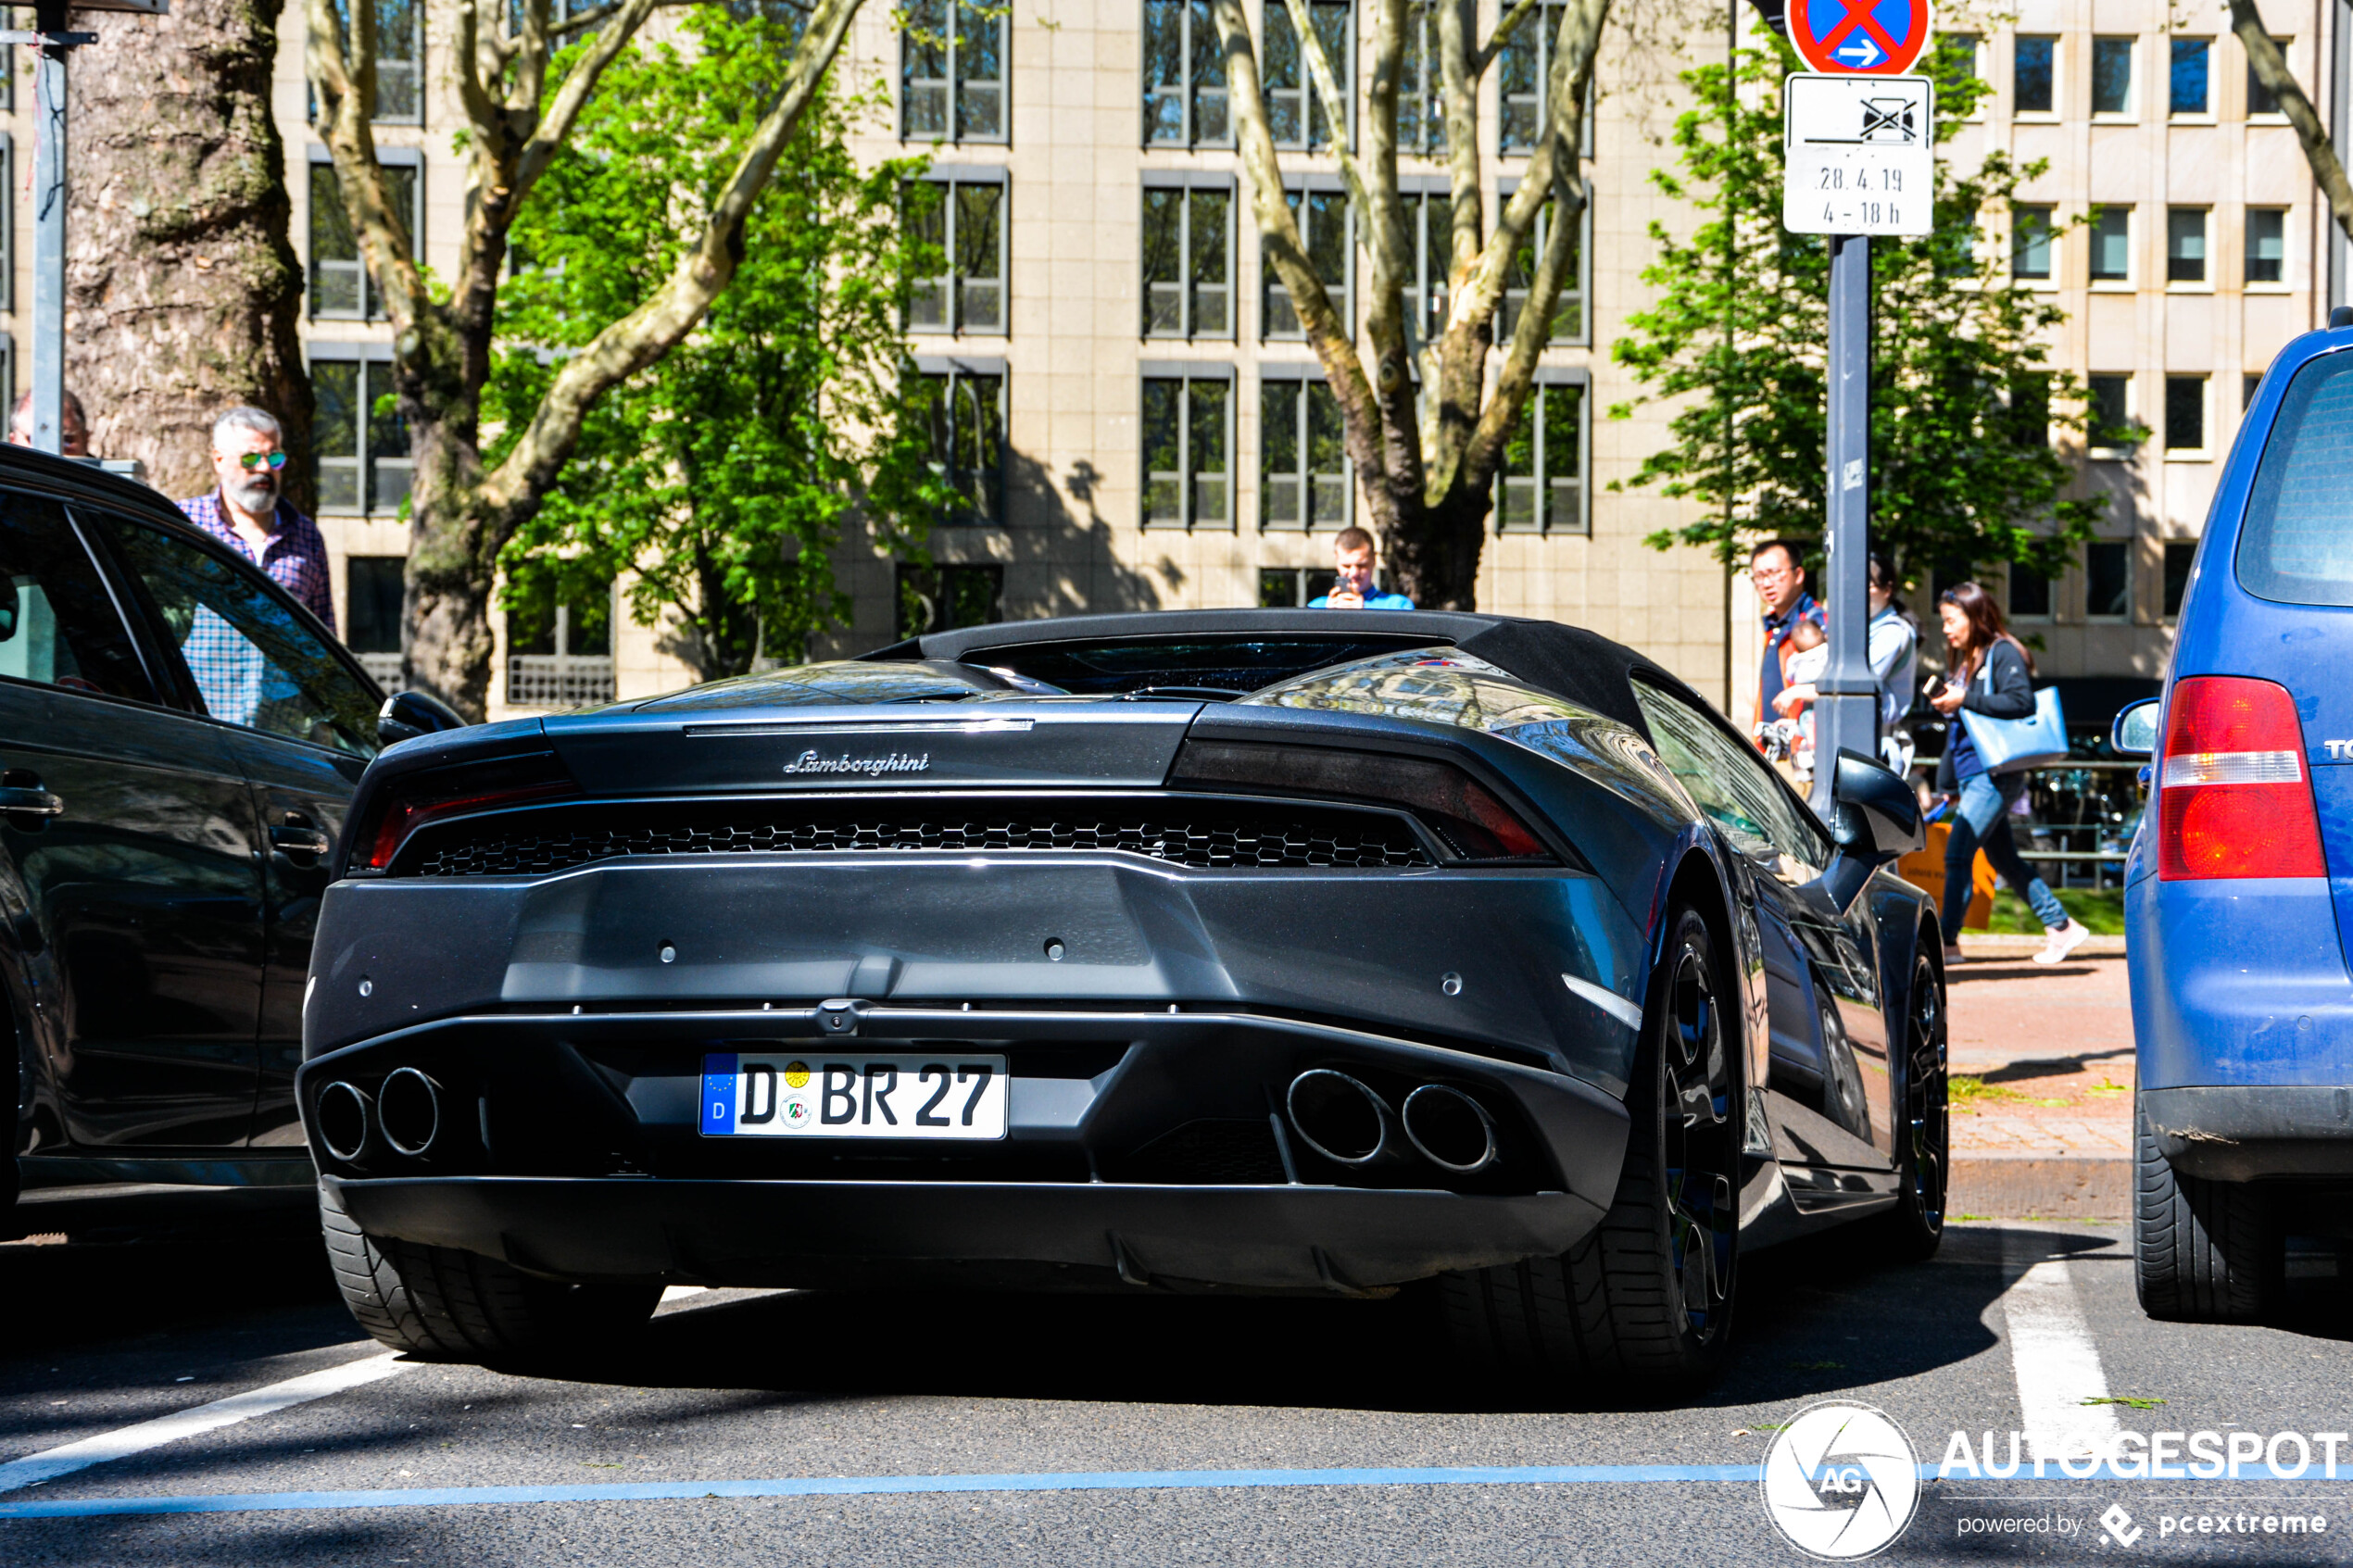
x: 251, y: 461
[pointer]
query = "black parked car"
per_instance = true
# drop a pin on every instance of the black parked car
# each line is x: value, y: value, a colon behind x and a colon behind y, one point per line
x: 1310, y: 951
x: 178, y: 741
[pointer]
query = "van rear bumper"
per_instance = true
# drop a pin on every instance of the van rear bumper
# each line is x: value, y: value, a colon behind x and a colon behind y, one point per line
x: 2244, y: 1133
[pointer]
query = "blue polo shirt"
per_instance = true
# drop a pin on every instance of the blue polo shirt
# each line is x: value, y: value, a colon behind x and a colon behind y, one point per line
x: 1372, y: 601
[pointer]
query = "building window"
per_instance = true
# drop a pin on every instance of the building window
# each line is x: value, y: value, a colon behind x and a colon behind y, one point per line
x: 2108, y: 579
x: 1188, y: 446
x: 2249, y: 384
x: 2033, y: 75
x: 1421, y: 88
x: 2108, y: 410
x: 1188, y: 261
x: 1293, y: 587
x: 400, y: 52
x: 558, y: 646
x: 1527, y: 63
x: 2111, y: 245
x: 2186, y: 87
x: 2178, y: 560
x: 340, y: 282
x: 2185, y: 413
x: 1321, y: 213
x: 2260, y: 100
x: 2265, y: 244
x: 359, y: 440
x: 2030, y: 242
x: 1429, y: 228
x: 372, y: 588
x: 2030, y: 411
x: 961, y: 217
x: 1303, y: 473
x: 1184, y: 100
x: 2030, y: 594
x: 1544, y: 463
x: 953, y: 72
x: 1569, y: 311
x: 2185, y: 244
x: 1294, y: 113
x: 2112, y: 76
x: 964, y: 406
x: 941, y: 598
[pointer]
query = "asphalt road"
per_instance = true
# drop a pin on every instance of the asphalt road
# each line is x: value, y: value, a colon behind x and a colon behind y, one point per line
x: 164, y: 1303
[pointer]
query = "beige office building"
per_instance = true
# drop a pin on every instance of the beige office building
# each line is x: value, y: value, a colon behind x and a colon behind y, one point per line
x: 1153, y: 431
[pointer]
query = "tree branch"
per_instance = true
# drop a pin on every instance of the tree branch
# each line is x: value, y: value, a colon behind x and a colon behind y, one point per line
x: 2271, y: 69
x: 645, y: 333
x: 1501, y: 36
x: 580, y: 22
x: 555, y: 124
x: 346, y: 89
x: 1557, y: 148
x: 1325, y: 83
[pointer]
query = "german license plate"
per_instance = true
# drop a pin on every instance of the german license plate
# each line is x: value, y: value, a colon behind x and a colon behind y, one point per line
x: 850, y: 1095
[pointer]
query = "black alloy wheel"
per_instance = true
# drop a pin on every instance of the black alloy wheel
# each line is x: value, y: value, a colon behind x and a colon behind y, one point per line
x: 1924, y: 1135
x: 1644, y: 1302
x: 1699, y: 1146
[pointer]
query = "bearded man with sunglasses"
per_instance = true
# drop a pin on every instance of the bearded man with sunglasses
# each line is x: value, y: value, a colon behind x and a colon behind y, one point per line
x: 250, y: 511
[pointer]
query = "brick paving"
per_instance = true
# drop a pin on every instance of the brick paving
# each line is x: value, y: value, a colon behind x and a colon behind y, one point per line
x: 2053, y: 1047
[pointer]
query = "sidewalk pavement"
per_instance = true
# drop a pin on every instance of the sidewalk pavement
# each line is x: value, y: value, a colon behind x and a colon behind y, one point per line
x: 2042, y: 1059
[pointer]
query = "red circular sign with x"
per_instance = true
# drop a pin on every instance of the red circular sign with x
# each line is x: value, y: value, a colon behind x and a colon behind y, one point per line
x: 1859, y: 37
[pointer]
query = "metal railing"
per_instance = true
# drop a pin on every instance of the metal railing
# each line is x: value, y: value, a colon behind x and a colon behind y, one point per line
x: 558, y: 679
x: 384, y: 668
x: 2079, y: 818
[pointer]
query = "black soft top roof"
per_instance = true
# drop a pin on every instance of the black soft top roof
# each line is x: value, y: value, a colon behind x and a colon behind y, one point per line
x: 1565, y: 660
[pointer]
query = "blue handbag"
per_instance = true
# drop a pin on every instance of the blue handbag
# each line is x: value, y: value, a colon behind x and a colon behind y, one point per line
x: 2012, y: 745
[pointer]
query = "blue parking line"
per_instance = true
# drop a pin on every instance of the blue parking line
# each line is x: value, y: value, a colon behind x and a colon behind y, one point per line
x: 1049, y: 1481
x: 870, y: 1486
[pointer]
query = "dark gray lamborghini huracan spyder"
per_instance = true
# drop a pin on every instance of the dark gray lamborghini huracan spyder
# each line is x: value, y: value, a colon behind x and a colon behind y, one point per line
x: 1305, y: 951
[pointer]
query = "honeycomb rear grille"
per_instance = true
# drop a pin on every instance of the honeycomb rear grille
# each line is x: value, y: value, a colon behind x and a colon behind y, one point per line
x: 1180, y: 831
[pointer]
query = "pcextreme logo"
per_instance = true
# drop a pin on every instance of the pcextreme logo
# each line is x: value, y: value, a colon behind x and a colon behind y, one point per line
x: 1841, y: 1481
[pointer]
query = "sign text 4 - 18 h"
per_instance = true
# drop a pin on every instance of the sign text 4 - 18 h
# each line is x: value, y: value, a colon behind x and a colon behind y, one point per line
x: 1860, y: 155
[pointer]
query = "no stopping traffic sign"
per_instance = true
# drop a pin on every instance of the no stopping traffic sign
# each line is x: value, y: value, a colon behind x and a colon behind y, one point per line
x: 1859, y: 37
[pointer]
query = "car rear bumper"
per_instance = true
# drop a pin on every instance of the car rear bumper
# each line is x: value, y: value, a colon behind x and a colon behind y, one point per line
x: 2238, y: 983
x: 2248, y: 1133
x: 1078, y: 1236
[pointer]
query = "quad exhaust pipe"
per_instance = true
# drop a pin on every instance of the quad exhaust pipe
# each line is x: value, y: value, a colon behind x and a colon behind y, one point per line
x: 404, y: 1115
x: 1342, y: 1119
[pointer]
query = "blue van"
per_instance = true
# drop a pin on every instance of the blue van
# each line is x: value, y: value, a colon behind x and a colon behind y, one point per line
x: 2239, y: 889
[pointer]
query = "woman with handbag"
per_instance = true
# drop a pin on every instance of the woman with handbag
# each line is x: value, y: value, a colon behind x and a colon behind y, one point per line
x: 1991, y: 678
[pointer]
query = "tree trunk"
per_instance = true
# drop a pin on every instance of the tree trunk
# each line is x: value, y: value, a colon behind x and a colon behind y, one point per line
x: 183, y: 288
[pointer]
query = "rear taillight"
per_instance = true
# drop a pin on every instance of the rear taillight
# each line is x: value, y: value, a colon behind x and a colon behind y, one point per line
x: 1468, y: 815
x: 408, y: 803
x: 2234, y: 798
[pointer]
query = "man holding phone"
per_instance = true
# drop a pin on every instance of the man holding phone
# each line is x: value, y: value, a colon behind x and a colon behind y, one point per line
x: 1352, y: 556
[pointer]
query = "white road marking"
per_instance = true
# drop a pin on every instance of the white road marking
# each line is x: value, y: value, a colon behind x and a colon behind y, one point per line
x: 2052, y: 1353
x: 108, y: 1446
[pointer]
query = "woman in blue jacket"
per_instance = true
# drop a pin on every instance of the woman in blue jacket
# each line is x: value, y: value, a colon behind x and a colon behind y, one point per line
x: 1992, y: 675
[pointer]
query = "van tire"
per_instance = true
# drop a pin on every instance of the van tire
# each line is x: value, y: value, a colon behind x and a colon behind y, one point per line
x: 2203, y: 1251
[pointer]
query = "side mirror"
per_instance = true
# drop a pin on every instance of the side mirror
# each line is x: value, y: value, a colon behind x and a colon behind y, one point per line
x: 2134, y: 732
x: 1874, y: 817
x: 407, y: 715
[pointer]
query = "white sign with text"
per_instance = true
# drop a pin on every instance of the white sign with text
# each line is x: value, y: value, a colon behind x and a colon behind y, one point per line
x: 1859, y: 153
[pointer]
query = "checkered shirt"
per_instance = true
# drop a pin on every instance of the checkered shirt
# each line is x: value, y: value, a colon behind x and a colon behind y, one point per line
x: 236, y: 678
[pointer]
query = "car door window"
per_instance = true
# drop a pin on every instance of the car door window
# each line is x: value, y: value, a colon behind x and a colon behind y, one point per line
x: 59, y: 625
x: 254, y: 662
x: 1728, y: 783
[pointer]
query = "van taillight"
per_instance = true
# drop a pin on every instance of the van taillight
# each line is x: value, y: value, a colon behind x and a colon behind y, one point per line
x: 408, y: 802
x: 1464, y: 813
x: 2234, y: 796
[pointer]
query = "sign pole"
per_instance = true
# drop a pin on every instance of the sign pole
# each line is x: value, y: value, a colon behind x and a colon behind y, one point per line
x: 1848, y: 714
x: 49, y: 230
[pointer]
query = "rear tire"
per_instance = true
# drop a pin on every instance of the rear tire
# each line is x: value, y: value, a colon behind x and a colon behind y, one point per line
x: 1915, y: 1229
x: 451, y: 1305
x: 2203, y: 1251
x: 1647, y: 1297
